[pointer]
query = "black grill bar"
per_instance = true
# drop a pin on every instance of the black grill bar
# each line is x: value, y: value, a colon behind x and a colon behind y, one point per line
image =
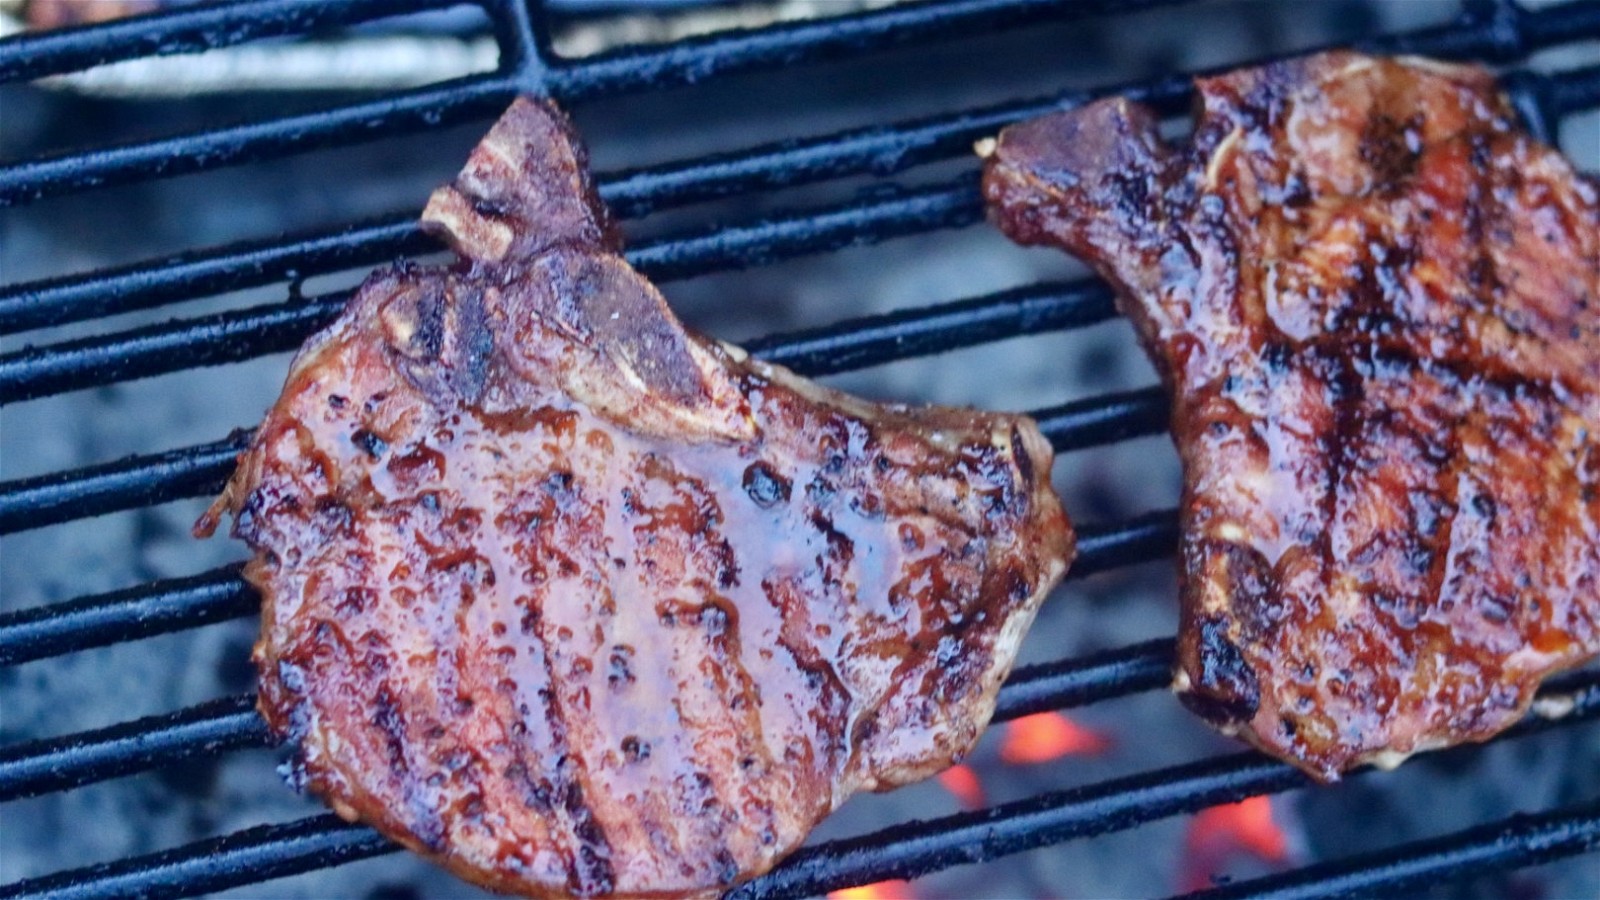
x: 1085, y: 680
x: 1141, y: 539
x: 243, y: 334
x: 157, y: 349
x: 620, y: 71
x: 245, y: 857
x: 881, y: 151
x: 227, y: 337
x: 182, y: 603
x: 696, y: 60
x: 1514, y: 843
x: 878, y: 150
x: 902, y: 851
x: 1576, y: 90
x: 1105, y: 419
x: 186, y: 29
x: 137, y: 481
x: 109, y: 292
x: 924, y: 331
x: 56, y: 764
x: 843, y: 346
x: 918, y: 848
x: 1488, y: 29
x: 445, y: 103
x: 144, y: 611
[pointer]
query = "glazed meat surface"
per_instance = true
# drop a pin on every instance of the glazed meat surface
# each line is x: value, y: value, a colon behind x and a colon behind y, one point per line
x: 1377, y: 305
x: 578, y: 603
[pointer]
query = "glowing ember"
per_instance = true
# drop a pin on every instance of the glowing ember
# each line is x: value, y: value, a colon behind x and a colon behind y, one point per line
x: 883, y: 890
x: 963, y: 783
x: 1046, y: 736
x: 1221, y: 832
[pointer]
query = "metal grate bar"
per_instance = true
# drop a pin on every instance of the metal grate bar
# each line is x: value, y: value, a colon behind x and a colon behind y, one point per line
x: 841, y: 347
x: 1105, y: 419
x: 231, y: 336
x: 1496, y: 29
x: 620, y: 71
x: 153, y: 350
x: 245, y: 857
x: 918, y: 848
x: 137, y: 481
x: 880, y: 150
x: 56, y: 764
x: 187, y: 29
x: 109, y: 292
x: 147, y: 610
x: 902, y: 851
x: 445, y: 103
x: 696, y: 60
x: 1517, y: 842
x: 200, y: 470
x: 257, y: 331
x: 181, y: 603
x: 1575, y: 90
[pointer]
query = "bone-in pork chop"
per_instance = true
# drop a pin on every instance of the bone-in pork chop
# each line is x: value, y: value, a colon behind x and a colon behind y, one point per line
x: 1377, y: 304
x: 579, y: 603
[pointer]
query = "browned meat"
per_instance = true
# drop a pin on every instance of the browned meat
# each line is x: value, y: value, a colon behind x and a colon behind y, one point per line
x: 62, y: 13
x: 578, y: 603
x: 1377, y: 304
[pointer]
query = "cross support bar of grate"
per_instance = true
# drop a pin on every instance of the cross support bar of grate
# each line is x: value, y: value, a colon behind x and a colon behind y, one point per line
x: 1523, y: 840
x: 902, y: 851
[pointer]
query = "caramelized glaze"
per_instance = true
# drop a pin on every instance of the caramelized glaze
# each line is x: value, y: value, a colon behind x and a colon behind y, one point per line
x: 1377, y: 303
x: 581, y: 604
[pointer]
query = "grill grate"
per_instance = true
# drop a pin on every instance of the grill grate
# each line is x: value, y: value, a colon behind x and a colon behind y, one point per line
x: 1498, y: 31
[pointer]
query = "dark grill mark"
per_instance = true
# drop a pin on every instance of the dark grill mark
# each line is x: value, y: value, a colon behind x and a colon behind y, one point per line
x: 370, y: 443
x: 765, y: 486
x: 1226, y: 689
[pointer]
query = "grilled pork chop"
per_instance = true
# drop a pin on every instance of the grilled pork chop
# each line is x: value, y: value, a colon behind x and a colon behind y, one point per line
x: 578, y: 603
x: 1377, y: 304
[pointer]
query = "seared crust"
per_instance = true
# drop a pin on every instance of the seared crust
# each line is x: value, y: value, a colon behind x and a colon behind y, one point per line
x: 1377, y: 303
x: 578, y: 603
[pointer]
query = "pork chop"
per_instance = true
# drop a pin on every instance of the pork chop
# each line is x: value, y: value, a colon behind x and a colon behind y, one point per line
x: 578, y: 603
x: 1376, y: 302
